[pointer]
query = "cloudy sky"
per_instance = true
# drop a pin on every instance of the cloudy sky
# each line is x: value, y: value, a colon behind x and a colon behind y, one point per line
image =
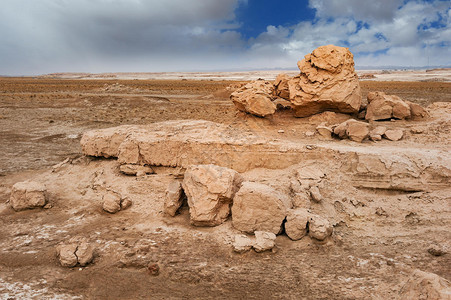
x: 45, y: 36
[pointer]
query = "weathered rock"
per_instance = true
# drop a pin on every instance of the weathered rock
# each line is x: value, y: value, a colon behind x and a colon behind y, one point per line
x: 282, y: 104
x: 173, y: 198
x: 424, y: 285
x: 76, y: 251
x: 255, y: 98
x: 126, y: 203
x: 296, y: 224
x: 130, y: 169
x: 315, y: 194
x: 319, y: 228
x: 357, y: 131
x: 394, y: 134
x: 327, y: 82
x: 329, y: 118
x: 258, y: 207
x: 242, y: 243
x: 27, y: 195
x: 382, y: 106
x: 264, y: 241
x: 377, y: 133
x: 417, y: 111
x: 210, y: 190
x: 352, y: 129
x: 111, y: 202
x: 84, y: 253
x: 324, y: 131
x: 282, y: 89
x: 437, y: 250
x: 66, y: 255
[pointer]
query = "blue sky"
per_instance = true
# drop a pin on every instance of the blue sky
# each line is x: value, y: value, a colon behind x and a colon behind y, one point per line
x: 44, y: 36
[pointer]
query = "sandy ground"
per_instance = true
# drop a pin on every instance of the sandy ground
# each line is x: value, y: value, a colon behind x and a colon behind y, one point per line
x: 370, y: 255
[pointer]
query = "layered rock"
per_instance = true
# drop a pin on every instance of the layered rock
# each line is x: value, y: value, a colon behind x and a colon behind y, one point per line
x: 27, y: 195
x: 255, y: 98
x: 210, y: 190
x: 327, y: 81
x: 258, y: 207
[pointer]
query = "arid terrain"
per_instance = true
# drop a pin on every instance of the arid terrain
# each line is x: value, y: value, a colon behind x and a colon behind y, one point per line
x: 382, y: 233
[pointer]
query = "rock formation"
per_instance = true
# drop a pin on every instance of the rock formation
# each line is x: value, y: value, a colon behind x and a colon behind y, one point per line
x: 210, y: 190
x: 327, y: 82
x: 27, y: 195
x: 255, y: 98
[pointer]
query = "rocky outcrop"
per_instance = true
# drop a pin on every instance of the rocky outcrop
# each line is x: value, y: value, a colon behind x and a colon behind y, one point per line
x: 173, y: 198
x: 255, y: 98
x: 27, y: 195
x: 258, y: 207
x: 382, y: 107
x: 327, y: 81
x: 210, y: 190
x: 424, y: 285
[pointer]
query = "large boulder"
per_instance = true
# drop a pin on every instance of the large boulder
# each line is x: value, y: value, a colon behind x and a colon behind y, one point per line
x: 424, y: 285
x: 210, y: 190
x: 27, y: 195
x: 327, y: 81
x: 382, y: 107
x: 255, y: 98
x: 258, y: 207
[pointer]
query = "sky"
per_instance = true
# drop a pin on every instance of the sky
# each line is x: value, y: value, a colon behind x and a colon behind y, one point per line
x: 48, y: 36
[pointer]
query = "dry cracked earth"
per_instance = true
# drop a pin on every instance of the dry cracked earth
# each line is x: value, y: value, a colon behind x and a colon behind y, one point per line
x: 382, y: 231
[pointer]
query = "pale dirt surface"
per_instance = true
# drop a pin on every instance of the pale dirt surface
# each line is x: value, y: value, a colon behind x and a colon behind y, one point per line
x: 380, y: 236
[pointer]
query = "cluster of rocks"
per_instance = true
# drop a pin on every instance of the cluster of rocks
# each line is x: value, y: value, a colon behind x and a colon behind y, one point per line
x: 214, y: 193
x: 77, y: 251
x: 114, y: 202
x: 327, y: 81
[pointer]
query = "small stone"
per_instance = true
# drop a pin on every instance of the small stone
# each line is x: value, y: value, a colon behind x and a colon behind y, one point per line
x: 437, y: 250
x: 319, y: 228
x: 315, y: 194
x: 173, y: 198
x: 297, y: 223
x: 153, y: 269
x: 394, y: 134
x: 242, y: 243
x: 111, y: 202
x: 138, y: 170
x: 84, y: 253
x: 281, y: 131
x: 66, y: 255
x: 126, y: 203
x: 27, y: 195
x: 264, y: 241
x: 324, y: 131
x: 309, y: 133
x: 417, y: 129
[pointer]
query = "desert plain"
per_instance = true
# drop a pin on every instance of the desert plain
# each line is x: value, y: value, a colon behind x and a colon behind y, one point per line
x: 391, y: 218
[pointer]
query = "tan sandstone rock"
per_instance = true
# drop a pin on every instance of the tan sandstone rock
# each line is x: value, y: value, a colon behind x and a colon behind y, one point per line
x: 382, y: 106
x: 255, y: 98
x: 282, y: 89
x: 264, y: 241
x: 354, y: 130
x: 394, y: 134
x: 76, y: 251
x: 417, y: 111
x: 377, y: 133
x: 296, y: 224
x: 242, y: 243
x: 319, y: 228
x: 324, y: 131
x: 258, y: 207
x: 130, y: 169
x: 210, y: 190
x: 424, y: 285
x: 27, y: 195
x: 327, y: 81
x: 315, y: 194
x: 111, y: 202
x: 66, y: 255
x: 173, y: 198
